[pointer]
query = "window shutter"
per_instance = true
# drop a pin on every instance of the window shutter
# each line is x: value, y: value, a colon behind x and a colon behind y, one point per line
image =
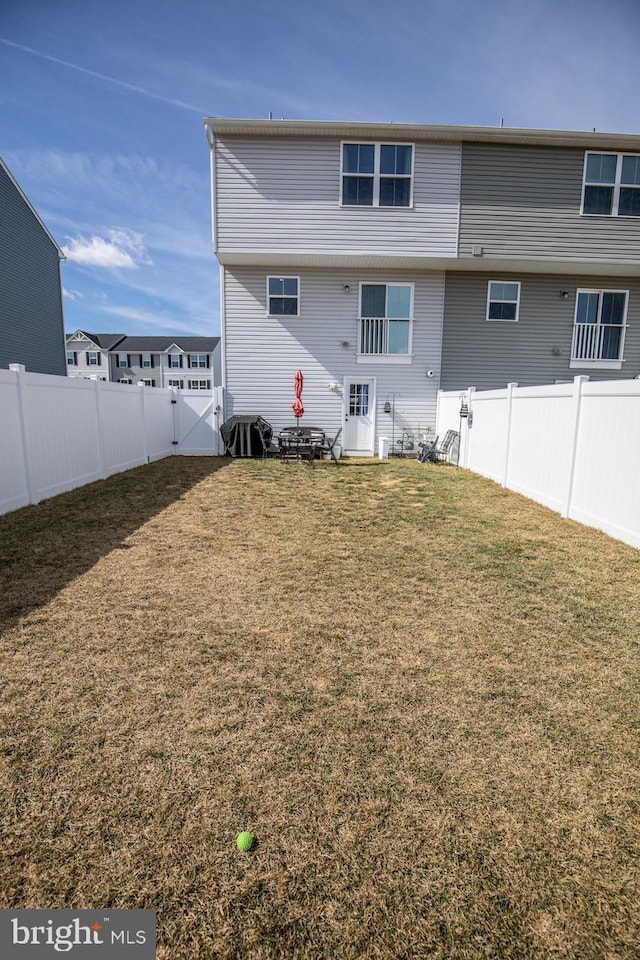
x: 75, y: 358
x: 99, y: 359
x: 152, y: 361
x: 140, y: 359
x: 180, y: 359
x: 128, y: 359
x: 208, y: 360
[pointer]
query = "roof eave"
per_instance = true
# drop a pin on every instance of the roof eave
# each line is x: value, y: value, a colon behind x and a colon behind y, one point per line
x: 412, y: 131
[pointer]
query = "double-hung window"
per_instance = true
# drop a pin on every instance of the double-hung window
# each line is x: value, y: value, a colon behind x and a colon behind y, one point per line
x: 611, y: 185
x: 503, y: 301
x: 386, y: 312
x: 598, y: 331
x: 93, y: 358
x: 72, y: 358
x: 199, y: 384
x: 283, y: 296
x: 377, y: 174
x: 145, y: 360
x: 175, y: 360
x: 123, y: 360
x: 197, y: 360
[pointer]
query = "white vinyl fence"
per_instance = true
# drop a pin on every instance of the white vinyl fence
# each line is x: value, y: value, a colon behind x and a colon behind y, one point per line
x: 575, y: 447
x: 58, y: 433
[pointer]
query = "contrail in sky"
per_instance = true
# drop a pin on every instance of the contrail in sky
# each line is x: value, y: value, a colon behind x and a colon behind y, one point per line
x: 101, y: 76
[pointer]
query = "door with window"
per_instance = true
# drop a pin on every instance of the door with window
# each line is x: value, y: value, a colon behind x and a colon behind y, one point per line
x: 359, y: 416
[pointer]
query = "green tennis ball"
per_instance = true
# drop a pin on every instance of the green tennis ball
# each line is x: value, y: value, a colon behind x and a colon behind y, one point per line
x: 244, y: 840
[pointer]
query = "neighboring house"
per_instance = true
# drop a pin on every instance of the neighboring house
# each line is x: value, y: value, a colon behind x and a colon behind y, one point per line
x: 88, y: 354
x: 31, y: 317
x: 388, y: 260
x: 188, y: 363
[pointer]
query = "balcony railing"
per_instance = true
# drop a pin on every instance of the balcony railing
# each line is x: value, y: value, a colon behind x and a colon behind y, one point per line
x: 382, y: 337
x: 597, y: 341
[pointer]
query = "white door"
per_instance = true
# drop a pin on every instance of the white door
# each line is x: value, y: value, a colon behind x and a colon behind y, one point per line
x: 359, y: 414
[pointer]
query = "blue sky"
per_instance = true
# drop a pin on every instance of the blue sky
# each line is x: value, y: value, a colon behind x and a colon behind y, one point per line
x: 102, y: 107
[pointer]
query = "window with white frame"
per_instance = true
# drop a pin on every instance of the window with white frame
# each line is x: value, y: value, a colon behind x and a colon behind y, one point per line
x: 125, y: 380
x: 175, y: 360
x: 198, y: 360
x: 386, y: 312
x: 93, y: 358
x: 503, y: 300
x: 176, y: 383
x: 376, y: 174
x: 611, y: 185
x: 199, y: 384
x: 145, y: 360
x: 599, y: 325
x: 148, y: 383
x: 283, y: 296
x: 72, y: 358
x: 123, y: 360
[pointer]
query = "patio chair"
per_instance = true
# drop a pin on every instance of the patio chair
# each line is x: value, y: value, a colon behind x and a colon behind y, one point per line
x: 328, y: 445
x: 426, y: 451
x: 450, y: 440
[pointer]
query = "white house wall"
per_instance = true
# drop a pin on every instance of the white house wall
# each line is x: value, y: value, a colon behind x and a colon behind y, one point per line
x: 282, y: 195
x: 263, y: 353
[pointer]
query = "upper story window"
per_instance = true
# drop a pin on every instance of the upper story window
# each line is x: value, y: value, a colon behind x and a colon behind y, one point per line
x: 198, y: 360
x: 123, y: 360
x: 503, y: 301
x: 283, y: 296
x: 386, y: 311
x: 72, y: 358
x: 146, y: 360
x: 611, y: 185
x: 377, y: 174
x: 93, y: 358
x: 175, y: 360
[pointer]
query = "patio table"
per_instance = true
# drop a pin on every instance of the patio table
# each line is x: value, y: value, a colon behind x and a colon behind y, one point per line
x: 302, y: 443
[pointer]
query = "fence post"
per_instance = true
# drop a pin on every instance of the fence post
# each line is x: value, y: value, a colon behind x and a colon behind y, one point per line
x: 507, y: 449
x: 19, y: 369
x: 99, y: 438
x: 577, y: 403
x: 145, y: 445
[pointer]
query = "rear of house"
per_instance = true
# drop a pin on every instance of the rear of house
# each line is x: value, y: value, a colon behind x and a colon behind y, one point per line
x: 387, y: 261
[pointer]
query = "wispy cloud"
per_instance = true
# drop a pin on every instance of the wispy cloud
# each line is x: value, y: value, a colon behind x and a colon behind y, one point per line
x: 72, y: 294
x: 131, y: 87
x: 123, y: 249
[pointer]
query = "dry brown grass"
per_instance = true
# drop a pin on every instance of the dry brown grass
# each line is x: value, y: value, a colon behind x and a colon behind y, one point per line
x: 419, y: 691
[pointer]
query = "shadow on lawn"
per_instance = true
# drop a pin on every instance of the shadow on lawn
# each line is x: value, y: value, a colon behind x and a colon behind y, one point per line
x: 46, y: 546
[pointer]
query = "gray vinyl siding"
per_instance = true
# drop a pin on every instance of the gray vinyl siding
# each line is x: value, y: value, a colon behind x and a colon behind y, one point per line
x: 31, y: 322
x: 522, y: 202
x: 283, y: 195
x: 263, y: 353
x: 489, y: 354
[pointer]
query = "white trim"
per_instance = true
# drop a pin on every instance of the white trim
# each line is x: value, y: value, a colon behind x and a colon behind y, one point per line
x: 373, y: 407
x: 276, y: 276
x: 612, y: 364
x: 387, y: 357
x: 490, y: 301
x: 616, y: 184
x: 377, y: 144
x: 223, y: 335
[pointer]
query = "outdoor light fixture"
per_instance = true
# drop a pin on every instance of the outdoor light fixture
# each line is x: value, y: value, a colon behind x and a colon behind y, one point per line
x: 564, y: 294
x: 347, y: 288
x: 387, y: 407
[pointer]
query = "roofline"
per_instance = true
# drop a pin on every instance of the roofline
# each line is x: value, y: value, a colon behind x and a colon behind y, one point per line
x: 61, y: 255
x: 415, y: 131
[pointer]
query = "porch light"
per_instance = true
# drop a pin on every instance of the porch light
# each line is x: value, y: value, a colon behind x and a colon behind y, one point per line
x: 387, y: 407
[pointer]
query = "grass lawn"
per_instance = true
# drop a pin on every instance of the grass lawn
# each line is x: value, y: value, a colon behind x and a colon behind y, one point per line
x: 419, y: 692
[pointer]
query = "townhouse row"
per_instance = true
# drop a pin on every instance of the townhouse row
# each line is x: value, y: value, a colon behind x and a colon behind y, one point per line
x: 187, y: 363
x: 387, y: 261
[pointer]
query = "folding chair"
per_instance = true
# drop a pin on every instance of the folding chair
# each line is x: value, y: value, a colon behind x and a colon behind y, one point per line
x: 328, y: 446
